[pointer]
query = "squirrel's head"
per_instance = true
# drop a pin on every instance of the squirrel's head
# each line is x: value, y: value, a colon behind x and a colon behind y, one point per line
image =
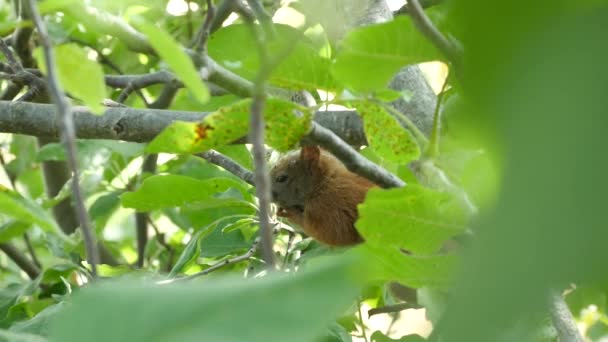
x: 295, y: 175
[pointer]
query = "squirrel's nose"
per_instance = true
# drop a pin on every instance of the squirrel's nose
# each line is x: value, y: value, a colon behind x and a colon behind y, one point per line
x: 274, y: 195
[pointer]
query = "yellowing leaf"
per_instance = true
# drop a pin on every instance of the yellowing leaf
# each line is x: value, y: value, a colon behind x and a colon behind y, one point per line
x: 172, y: 53
x: 78, y: 75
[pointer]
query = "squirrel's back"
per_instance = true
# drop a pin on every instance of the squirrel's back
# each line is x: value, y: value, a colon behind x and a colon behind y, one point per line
x: 317, y: 192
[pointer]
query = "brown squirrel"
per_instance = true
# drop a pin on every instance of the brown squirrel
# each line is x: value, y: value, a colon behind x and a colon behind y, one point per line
x: 315, y: 191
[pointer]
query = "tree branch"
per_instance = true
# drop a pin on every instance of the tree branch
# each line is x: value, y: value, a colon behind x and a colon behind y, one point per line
x: 256, y: 136
x: 20, y: 260
x: 451, y: 51
x: 354, y: 161
x: 200, y: 41
x: 228, y: 164
x: 69, y: 137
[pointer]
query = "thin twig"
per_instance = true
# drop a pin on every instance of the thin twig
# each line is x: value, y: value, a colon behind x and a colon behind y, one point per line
x: 246, y: 256
x: 20, y: 260
x: 256, y: 137
x: 562, y: 319
x: 221, y: 14
x: 451, y: 51
x: 433, y: 146
x: 161, y: 240
x: 361, y: 322
x: 30, y: 249
x: 202, y: 36
x: 424, y: 3
x: 228, y: 164
x: 392, y: 308
x: 142, y: 218
x: 20, y: 75
x: 292, y: 236
x: 65, y: 114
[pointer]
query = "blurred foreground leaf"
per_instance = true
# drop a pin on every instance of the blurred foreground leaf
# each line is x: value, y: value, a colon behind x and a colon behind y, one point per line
x: 273, y: 308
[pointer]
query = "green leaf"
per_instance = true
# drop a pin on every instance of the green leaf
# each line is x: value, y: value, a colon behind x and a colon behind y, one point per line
x: 103, y: 207
x: 218, y: 243
x: 388, y: 95
x: 190, y: 253
x: 72, y: 63
x: 13, y: 229
x: 234, y: 48
x: 172, y: 53
x: 40, y: 323
x: 205, y: 310
x: 25, y: 210
x: 157, y: 192
x: 389, y: 263
x: 370, y: 56
x: 415, y: 218
x: 284, y: 128
x: 384, y: 133
x: 49, y: 6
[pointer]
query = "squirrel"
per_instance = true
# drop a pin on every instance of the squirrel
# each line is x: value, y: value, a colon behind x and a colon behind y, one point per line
x: 314, y: 190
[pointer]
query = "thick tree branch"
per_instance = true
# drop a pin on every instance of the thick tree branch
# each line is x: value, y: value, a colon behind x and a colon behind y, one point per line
x: 354, y: 161
x: 64, y: 113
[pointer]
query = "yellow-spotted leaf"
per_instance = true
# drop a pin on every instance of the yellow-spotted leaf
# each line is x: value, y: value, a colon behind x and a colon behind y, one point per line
x: 286, y: 123
x: 385, y: 135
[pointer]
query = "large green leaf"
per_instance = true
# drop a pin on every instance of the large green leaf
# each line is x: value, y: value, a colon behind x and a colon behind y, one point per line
x: 265, y: 309
x: 40, y: 323
x: 165, y: 191
x: 389, y: 263
x: 13, y: 229
x: 284, y: 128
x: 72, y: 65
x: 172, y: 53
x: 415, y: 218
x: 235, y: 48
x: 370, y: 56
x: 403, y: 229
x: 385, y: 135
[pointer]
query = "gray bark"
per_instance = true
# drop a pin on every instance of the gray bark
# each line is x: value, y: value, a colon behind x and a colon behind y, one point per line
x: 139, y: 125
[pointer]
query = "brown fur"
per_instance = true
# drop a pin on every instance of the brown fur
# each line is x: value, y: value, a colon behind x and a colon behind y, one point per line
x: 315, y: 191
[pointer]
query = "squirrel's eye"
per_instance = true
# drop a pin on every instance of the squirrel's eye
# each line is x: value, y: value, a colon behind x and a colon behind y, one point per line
x: 281, y: 179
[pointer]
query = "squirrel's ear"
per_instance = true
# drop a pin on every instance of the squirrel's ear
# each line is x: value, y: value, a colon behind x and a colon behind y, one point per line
x: 310, y: 154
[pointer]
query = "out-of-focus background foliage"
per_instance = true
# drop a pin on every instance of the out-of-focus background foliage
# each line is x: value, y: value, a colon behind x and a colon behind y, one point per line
x: 512, y: 173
